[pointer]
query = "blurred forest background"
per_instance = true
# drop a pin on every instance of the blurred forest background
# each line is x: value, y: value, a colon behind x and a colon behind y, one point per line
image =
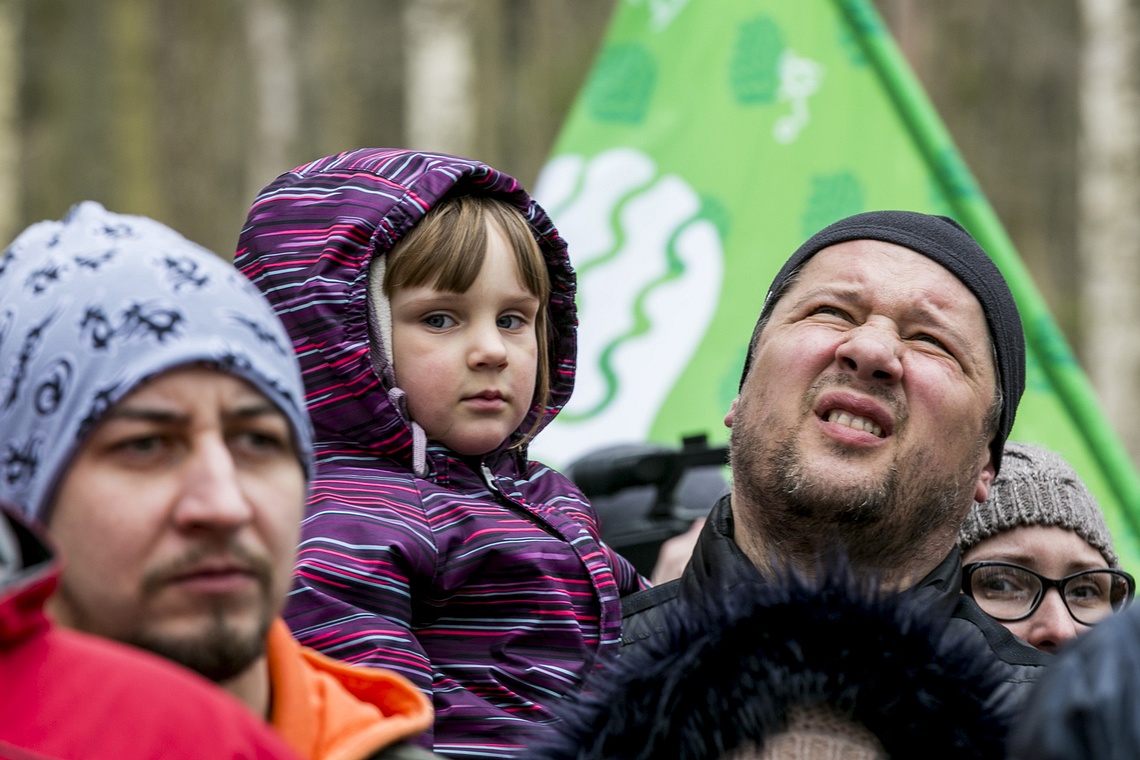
x: 183, y: 110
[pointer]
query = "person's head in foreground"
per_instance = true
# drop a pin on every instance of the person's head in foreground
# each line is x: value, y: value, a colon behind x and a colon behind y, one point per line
x: 793, y: 669
x: 880, y: 385
x: 1037, y: 555
x: 154, y: 421
x: 1087, y: 704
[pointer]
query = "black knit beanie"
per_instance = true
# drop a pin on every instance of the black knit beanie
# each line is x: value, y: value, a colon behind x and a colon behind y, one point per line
x: 943, y: 240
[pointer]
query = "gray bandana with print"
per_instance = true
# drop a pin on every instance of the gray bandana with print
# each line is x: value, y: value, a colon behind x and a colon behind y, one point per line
x: 94, y: 305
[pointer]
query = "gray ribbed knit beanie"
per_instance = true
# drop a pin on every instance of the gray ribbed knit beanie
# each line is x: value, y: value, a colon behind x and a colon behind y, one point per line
x: 945, y: 241
x: 1038, y: 487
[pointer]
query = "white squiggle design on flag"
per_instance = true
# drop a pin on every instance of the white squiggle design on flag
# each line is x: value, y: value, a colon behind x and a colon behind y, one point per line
x: 799, y: 80
x: 650, y: 271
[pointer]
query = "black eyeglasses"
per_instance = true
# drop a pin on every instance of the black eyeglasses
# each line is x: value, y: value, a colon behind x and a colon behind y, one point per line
x: 1009, y: 592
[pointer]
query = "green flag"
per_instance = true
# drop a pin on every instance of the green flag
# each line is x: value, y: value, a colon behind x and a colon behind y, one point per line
x: 710, y: 140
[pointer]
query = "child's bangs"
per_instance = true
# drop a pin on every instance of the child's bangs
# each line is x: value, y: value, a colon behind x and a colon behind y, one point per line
x: 533, y: 272
x: 446, y: 249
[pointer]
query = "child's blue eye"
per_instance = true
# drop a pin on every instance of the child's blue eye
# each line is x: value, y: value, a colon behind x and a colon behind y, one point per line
x: 438, y: 321
x: 510, y: 322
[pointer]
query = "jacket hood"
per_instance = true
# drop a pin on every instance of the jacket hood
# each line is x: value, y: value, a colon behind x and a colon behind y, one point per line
x: 729, y: 671
x: 307, y: 245
x: 1085, y: 707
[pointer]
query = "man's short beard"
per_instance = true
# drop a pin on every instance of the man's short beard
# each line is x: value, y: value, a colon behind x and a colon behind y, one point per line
x: 884, y: 525
x: 219, y: 653
x: 219, y: 650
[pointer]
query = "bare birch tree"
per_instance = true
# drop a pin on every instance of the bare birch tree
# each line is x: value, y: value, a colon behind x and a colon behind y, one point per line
x: 276, y: 100
x: 439, y: 75
x: 10, y: 18
x: 1108, y: 181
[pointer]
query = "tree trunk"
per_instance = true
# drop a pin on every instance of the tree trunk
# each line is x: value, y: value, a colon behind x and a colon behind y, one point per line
x: 439, y: 75
x: 10, y: 58
x: 1108, y: 182
x: 274, y: 77
x: 133, y: 135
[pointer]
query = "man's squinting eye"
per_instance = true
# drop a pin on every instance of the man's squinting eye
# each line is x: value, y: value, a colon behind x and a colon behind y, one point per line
x: 828, y: 311
x: 926, y: 338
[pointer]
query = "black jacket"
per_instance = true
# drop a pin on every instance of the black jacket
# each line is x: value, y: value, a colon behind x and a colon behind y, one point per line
x: 1087, y: 706
x: 717, y: 557
x: 829, y: 660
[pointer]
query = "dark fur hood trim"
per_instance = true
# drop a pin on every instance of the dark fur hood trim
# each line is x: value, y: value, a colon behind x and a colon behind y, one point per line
x: 727, y: 672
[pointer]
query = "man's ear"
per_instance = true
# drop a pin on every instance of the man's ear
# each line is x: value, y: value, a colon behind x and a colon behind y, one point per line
x: 985, y: 477
x: 731, y: 411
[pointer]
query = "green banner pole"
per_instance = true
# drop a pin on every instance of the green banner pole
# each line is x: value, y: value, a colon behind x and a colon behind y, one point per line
x: 975, y: 213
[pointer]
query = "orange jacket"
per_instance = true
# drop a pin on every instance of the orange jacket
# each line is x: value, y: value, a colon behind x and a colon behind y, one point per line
x: 329, y: 710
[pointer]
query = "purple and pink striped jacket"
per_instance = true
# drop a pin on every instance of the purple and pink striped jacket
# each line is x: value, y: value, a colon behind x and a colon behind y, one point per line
x: 487, y: 584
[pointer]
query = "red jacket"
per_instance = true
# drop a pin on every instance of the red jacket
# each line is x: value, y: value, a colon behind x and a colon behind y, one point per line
x: 67, y: 695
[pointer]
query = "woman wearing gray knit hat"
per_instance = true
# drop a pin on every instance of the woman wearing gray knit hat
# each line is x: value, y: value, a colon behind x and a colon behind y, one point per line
x: 1041, y: 531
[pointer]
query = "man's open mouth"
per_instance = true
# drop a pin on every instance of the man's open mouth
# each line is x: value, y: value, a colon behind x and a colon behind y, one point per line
x: 854, y: 421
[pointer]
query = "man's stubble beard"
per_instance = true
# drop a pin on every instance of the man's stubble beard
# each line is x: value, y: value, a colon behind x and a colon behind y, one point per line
x: 220, y: 649
x: 799, y: 514
x: 219, y: 653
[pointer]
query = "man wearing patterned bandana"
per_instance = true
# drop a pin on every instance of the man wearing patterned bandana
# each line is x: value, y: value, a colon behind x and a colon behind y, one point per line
x: 154, y: 421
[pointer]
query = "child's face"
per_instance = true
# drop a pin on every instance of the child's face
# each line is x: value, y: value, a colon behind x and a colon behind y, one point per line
x: 467, y: 361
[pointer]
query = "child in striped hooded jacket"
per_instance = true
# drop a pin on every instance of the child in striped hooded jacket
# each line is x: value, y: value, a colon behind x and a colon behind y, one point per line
x: 431, y: 304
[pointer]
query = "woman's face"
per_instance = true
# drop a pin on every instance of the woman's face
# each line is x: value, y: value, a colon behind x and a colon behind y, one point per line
x: 1053, y: 552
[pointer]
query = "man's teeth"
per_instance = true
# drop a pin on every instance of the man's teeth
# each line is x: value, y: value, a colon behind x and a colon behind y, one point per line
x: 856, y: 422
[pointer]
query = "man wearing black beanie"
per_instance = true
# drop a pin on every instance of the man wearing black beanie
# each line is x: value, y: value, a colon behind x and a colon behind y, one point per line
x: 880, y: 386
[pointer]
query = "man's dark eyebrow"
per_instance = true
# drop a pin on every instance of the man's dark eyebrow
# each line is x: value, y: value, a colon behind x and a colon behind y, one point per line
x: 143, y: 414
x: 250, y: 411
x: 136, y: 414
x: 920, y: 313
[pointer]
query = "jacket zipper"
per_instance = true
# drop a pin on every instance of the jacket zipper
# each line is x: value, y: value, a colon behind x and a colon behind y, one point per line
x: 493, y: 484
